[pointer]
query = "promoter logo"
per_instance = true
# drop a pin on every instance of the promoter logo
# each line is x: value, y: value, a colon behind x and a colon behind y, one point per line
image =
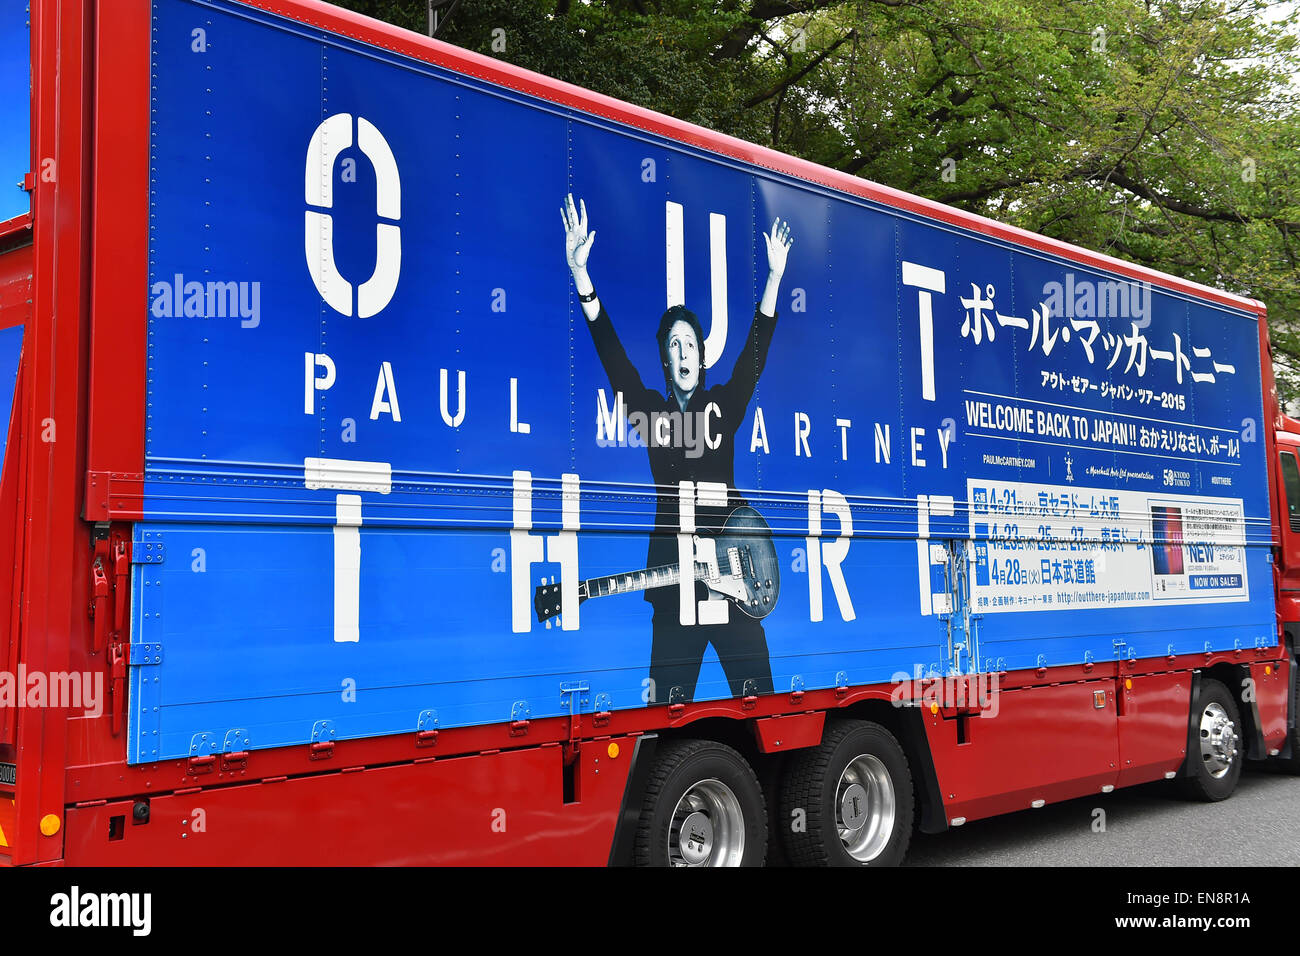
x: 76, y: 909
x: 1177, y: 479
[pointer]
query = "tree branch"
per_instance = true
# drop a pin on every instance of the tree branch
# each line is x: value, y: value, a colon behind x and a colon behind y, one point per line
x: 737, y: 40
x: 798, y: 75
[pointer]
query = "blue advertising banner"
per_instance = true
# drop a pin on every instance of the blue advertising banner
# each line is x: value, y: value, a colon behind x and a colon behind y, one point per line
x: 447, y: 385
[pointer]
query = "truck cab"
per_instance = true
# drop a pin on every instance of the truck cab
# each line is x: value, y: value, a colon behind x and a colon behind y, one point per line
x: 1286, y: 465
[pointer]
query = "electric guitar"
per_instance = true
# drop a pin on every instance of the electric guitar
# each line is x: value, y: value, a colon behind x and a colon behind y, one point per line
x: 738, y: 563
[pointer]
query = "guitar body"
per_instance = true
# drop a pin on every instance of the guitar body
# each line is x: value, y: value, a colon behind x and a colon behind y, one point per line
x: 755, y: 560
x: 738, y: 563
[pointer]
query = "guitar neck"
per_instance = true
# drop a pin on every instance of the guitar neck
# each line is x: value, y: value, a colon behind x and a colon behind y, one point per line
x: 646, y: 579
x: 738, y: 565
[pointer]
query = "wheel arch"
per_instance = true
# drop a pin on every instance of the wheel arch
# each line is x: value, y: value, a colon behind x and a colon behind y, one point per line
x: 906, y: 724
x: 737, y: 734
x: 1235, y: 677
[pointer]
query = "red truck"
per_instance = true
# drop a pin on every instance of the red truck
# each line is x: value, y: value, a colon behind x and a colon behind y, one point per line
x: 1051, y: 548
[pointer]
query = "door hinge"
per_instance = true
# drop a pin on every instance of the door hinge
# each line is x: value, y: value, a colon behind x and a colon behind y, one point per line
x: 146, y: 655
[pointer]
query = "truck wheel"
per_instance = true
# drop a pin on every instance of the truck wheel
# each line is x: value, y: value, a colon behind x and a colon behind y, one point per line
x: 703, y: 807
x: 1214, y: 754
x: 855, y: 794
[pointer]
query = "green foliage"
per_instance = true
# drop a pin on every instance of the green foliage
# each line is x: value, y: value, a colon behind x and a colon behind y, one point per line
x: 1163, y: 132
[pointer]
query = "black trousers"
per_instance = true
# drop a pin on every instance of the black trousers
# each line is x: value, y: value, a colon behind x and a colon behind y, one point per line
x: 677, y: 653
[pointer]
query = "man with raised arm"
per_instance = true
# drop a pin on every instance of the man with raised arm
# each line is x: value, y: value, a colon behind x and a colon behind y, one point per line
x: 689, y: 432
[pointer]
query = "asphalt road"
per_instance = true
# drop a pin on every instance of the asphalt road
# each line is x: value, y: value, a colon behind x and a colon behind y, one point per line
x: 1144, y: 826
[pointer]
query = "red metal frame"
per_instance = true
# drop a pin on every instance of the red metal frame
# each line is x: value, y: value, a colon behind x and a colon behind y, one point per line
x: 15, y: 309
x: 53, y: 553
x: 119, y: 265
x: 86, y: 368
x: 498, y: 809
x: 1143, y: 734
x: 94, y: 781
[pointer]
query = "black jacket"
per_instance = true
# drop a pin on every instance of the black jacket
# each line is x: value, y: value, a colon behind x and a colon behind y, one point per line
x: 686, y: 455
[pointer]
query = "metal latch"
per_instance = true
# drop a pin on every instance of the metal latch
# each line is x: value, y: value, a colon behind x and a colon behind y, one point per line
x: 234, y: 761
x: 116, y: 685
x: 203, y: 757
x: 234, y: 750
x: 203, y: 764
x: 99, y: 603
x: 121, y: 579
x: 604, y: 710
x: 953, y: 605
x: 573, y: 695
x: 520, y: 712
x: 426, y: 728
x: 322, y: 740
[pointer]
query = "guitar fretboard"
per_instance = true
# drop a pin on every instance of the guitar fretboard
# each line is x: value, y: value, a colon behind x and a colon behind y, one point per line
x: 645, y: 580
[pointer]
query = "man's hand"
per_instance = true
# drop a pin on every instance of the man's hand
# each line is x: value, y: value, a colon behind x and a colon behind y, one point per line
x: 577, y: 247
x: 577, y: 241
x: 778, y: 249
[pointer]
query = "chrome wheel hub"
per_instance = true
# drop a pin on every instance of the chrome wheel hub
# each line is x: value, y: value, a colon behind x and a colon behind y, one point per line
x: 853, y: 807
x: 1218, y: 740
x: 708, y: 827
x: 865, y: 807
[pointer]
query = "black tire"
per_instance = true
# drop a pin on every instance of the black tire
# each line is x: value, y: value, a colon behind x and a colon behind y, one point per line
x: 703, y: 806
x: 826, y: 821
x: 771, y: 771
x: 1214, y: 752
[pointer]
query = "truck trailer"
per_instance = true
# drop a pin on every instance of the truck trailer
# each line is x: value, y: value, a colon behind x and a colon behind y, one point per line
x: 349, y: 492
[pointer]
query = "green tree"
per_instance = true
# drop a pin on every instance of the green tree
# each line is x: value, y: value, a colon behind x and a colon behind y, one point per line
x: 1162, y: 132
